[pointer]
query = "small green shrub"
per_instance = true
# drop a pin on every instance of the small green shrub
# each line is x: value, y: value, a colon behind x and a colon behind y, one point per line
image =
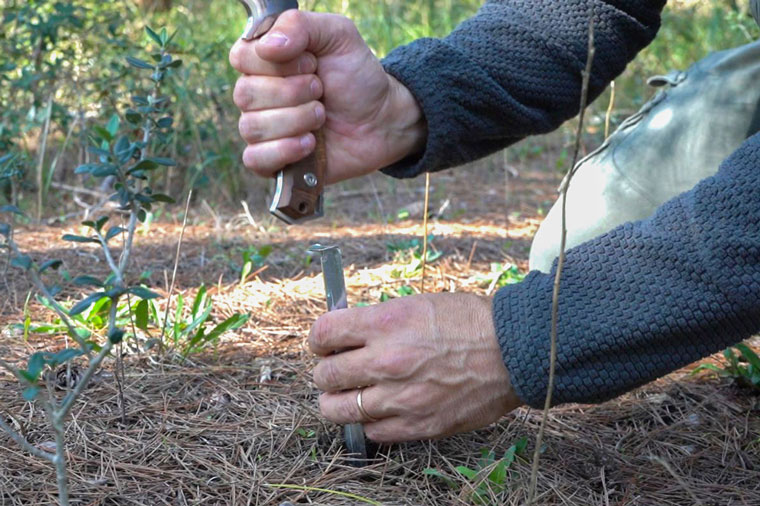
x: 743, y: 366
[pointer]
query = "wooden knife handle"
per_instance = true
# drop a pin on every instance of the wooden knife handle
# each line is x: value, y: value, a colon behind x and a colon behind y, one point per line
x: 298, y: 195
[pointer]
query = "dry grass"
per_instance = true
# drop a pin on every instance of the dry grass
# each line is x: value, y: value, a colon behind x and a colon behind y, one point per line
x: 234, y: 425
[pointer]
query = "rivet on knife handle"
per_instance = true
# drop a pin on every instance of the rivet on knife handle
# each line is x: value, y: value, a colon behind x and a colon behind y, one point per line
x: 298, y: 194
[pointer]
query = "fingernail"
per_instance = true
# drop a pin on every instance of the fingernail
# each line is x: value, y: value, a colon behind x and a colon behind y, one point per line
x: 316, y: 89
x: 306, y: 142
x: 275, y: 39
x: 319, y: 112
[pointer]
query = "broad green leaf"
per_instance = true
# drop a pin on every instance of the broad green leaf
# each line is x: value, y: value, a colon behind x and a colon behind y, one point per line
x: 22, y: 262
x: 30, y: 393
x: 79, y: 239
x: 63, y: 356
x: 11, y: 209
x: 87, y: 281
x: 143, y: 165
x: 160, y: 197
x: 85, y: 303
x: 141, y: 315
x: 138, y: 63
x: 499, y: 474
x: 143, y: 292
x: 50, y: 264
x: 87, y: 168
x: 168, y: 162
x: 166, y: 122
x: 103, y: 133
x: 35, y: 365
x: 113, y: 125
x: 114, y: 231
x: 153, y: 35
x: 101, y: 221
x: 133, y: 116
x: 105, y: 170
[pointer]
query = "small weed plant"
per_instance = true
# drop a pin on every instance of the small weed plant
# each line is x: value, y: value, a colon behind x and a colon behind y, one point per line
x: 490, y: 477
x: 743, y: 366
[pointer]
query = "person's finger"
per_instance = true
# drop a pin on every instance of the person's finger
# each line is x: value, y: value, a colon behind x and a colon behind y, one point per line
x: 297, y: 31
x: 343, y: 407
x: 266, y: 158
x: 244, y: 59
x: 273, y: 124
x: 346, y: 370
x: 397, y: 429
x: 351, y: 328
x: 253, y: 93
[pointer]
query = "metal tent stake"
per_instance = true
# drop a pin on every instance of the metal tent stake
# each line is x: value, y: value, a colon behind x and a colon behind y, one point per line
x: 335, y: 291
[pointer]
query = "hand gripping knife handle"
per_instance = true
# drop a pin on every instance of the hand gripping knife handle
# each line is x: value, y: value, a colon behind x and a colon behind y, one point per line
x: 335, y: 290
x: 298, y: 194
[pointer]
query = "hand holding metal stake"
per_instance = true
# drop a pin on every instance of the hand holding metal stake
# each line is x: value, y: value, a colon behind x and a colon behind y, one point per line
x: 335, y: 289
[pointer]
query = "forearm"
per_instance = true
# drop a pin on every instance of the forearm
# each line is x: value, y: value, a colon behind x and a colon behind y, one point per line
x: 513, y: 70
x: 645, y: 299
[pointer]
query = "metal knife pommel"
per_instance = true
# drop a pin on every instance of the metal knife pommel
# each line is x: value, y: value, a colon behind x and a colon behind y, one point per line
x: 298, y: 194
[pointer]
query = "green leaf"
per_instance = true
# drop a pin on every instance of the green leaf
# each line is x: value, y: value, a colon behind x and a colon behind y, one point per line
x: 167, y: 162
x: 138, y: 63
x: 141, y: 315
x: 166, y: 122
x: 103, y: 133
x: 175, y: 64
x: 160, y: 197
x: 164, y: 36
x: 63, y: 356
x: 467, y: 472
x: 101, y: 221
x: 22, y: 262
x: 30, y: 393
x: 79, y: 239
x: 153, y: 35
x: 143, y: 165
x: 50, y: 264
x: 35, y: 365
x: 199, y: 301
x: 499, y: 474
x: 113, y: 125
x: 133, y: 116
x: 87, y: 168
x: 234, y: 322
x: 11, y: 209
x: 87, y: 281
x: 114, y: 231
x: 435, y: 472
x: 105, y: 170
x: 82, y: 305
x: 116, y: 335
x: 749, y: 355
x: 143, y: 293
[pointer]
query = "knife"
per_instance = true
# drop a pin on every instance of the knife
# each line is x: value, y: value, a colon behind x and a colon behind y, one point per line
x: 298, y: 195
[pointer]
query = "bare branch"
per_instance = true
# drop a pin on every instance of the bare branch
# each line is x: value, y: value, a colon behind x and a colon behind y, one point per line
x: 560, y: 265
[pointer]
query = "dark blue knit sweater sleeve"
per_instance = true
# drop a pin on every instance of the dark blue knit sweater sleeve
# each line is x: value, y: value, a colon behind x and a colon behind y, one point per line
x: 645, y: 299
x: 513, y: 70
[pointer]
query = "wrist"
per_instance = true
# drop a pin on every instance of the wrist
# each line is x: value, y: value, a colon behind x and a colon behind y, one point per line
x: 404, y: 123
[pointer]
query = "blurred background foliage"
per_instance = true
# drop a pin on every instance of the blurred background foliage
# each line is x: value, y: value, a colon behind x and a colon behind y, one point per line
x: 62, y: 72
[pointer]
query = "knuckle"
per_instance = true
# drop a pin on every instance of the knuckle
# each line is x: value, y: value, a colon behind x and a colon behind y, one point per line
x: 327, y: 375
x: 237, y: 56
x: 249, y: 127
x: 241, y: 95
x: 347, y: 410
x: 320, y: 333
x: 394, y: 365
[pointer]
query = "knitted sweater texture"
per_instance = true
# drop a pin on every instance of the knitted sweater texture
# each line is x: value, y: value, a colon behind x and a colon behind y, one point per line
x: 640, y: 301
